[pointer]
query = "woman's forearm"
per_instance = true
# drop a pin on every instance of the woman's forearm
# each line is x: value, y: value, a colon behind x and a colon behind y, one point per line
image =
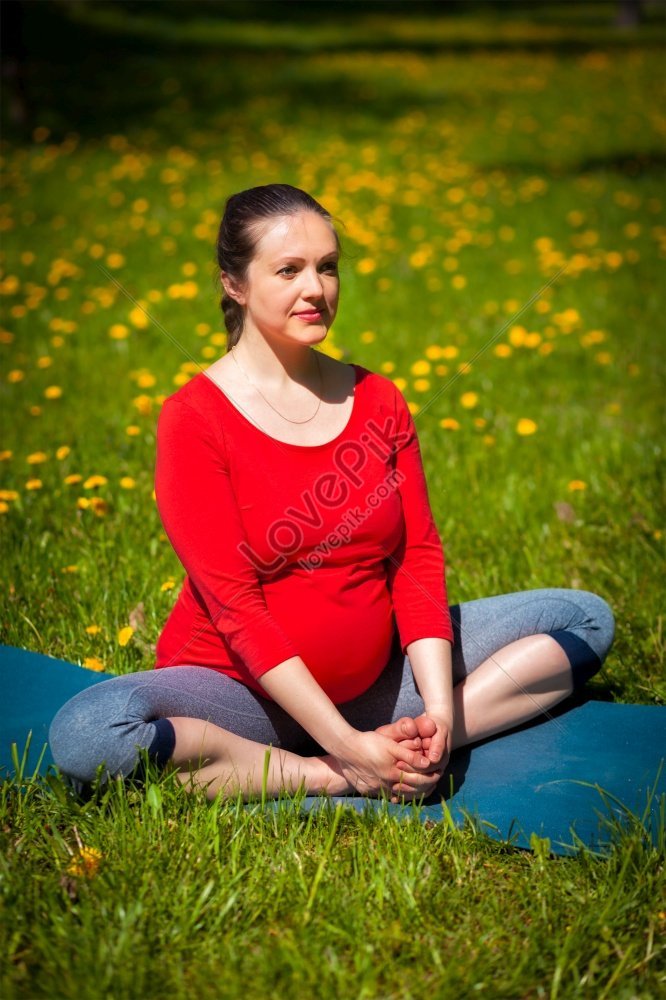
x: 293, y: 687
x: 430, y: 660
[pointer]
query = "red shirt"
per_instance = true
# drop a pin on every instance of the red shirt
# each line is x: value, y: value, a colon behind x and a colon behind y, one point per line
x: 296, y: 550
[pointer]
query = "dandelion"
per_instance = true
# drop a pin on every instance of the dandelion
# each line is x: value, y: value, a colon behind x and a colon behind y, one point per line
x: 469, y: 400
x: 449, y: 424
x: 53, y: 392
x: 124, y: 635
x: 138, y: 318
x: 62, y: 452
x: 367, y: 337
x: 15, y: 375
x: 8, y: 495
x: 502, y: 350
x: 127, y: 483
x: 119, y: 331
x: 93, y: 629
x: 92, y: 663
x: 168, y: 585
x: 132, y: 430
x: 70, y: 569
x: 526, y: 426
x: 366, y: 265
x: 93, y: 481
x: 577, y: 484
x: 74, y: 478
x: 33, y: 484
x: 420, y: 368
x: 86, y: 863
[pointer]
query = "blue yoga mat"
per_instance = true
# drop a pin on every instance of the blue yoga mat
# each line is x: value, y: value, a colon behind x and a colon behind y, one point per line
x: 571, y: 778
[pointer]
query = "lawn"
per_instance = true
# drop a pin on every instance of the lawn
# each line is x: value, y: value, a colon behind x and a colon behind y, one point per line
x: 501, y: 208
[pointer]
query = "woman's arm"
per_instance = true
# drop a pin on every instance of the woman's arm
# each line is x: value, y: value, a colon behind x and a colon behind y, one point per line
x: 369, y: 761
x: 430, y: 660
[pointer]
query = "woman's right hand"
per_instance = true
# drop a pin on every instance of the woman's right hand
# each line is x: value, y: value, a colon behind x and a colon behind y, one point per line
x: 372, y: 762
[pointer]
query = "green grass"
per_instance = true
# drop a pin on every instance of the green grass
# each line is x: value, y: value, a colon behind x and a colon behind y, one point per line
x: 499, y: 168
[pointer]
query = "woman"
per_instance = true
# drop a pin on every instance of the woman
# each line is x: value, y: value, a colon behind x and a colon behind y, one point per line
x: 313, y: 618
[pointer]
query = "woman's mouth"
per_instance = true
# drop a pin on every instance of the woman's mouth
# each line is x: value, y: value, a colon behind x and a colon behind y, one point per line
x: 310, y: 315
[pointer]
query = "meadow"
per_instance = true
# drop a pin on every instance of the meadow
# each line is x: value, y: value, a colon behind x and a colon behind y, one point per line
x: 501, y: 211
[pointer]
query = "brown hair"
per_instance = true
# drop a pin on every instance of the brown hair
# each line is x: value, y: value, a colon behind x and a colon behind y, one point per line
x: 238, y: 236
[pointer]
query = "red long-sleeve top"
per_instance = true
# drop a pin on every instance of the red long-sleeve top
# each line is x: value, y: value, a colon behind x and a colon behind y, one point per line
x: 296, y: 550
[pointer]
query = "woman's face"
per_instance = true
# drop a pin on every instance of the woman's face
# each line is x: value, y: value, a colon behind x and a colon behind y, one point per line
x: 294, y: 271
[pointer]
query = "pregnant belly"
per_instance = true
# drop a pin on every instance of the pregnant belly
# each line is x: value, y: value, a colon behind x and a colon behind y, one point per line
x: 343, y: 633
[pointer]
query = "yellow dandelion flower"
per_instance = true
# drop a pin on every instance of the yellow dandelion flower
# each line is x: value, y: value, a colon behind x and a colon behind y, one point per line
x: 202, y: 329
x: 132, y: 430
x: 145, y: 380
x: 70, y: 569
x: 138, y: 318
x: 15, y: 375
x: 115, y: 260
x: 449, y: 424
x: 189, y: 269
x: 525, y: 426
x: 367, y: 337
x: 366, y: 265
x: 100, y: 507
x: 168, y: 585
x: 577, y: 484
x: 458, y: 281
x: 400, y: 382
x: 62, y: 452
x: 74, y: 478
x: 613, y: 259
x: 433, y: 352
x: 127, y: 483
x: 35, y: 411
x: 502, y: 350
x: 93, y: 481
x: 532, y: 340
x: 118, y: 331
x: 53, y: 392
x: 9, y: 495
x: 420, y: 368
x: 469, y: 399
x: 44, y: 362
x: 387, y: 367
x: 83, y: 503
x: 412, y: 407
x: 143, y: 404
x: 480, y: 421
x: 603, y: 357
x: 125, y: 634
x: 33, y: 484
x: 421, y: 384
x: 4, y: 507
x: 517, y: 335
x: 6, y: 455
x: 93, y: 629
x: 450, y: 351
x: 441, y: 370
x: 488, y: 439
x: 86, y: 863
x: 189, y: 290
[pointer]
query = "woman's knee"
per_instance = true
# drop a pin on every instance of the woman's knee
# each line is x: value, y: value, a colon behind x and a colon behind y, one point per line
x: 93, y: 729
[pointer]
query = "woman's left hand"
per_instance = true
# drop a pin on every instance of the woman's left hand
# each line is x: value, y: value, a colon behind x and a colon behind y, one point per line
x: 431, y: 733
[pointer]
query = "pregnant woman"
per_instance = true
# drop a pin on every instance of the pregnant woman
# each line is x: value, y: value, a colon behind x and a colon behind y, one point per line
x: 313, y: 618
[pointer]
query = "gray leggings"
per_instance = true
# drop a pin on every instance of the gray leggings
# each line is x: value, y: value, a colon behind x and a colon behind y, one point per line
x: 111, y: 721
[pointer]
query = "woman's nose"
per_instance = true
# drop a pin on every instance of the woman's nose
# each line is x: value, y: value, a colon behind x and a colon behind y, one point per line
x: 313, y: 284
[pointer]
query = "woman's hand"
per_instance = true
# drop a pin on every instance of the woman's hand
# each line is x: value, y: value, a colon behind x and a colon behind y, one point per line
x: 372, y: 762
x: 430, y: 733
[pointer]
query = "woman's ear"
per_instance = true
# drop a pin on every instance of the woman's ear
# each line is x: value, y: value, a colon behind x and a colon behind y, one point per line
x: 232, y: 288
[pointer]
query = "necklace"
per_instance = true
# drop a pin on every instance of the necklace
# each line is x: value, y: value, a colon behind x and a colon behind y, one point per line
x: 321, y: 385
